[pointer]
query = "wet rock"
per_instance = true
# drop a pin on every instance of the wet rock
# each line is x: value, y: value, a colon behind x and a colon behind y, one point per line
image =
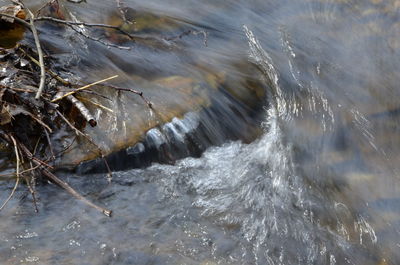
x: 187, y: 116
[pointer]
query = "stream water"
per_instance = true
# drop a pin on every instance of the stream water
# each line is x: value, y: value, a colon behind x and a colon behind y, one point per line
x: 320, y: 185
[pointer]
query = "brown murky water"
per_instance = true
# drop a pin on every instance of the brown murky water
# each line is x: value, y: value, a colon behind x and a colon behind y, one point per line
x: 320, y: 185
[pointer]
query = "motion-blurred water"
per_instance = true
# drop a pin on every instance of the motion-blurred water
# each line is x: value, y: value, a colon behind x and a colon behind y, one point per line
x: 319, y: 186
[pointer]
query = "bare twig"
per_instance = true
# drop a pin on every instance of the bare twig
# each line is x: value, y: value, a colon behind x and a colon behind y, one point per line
x: 70, y: 190
x: 50, y: 145
x: 95, y: 25
x: 42, y: 7
x: 97, y: 94
x: 22, y: 90
x: 139, y: 93
x: 84, y: 87
x: 16, y: 173
x: 132, y: 37
x: 108, y: 44
x: 32, y: 191
x: 22, y: 172
x: 40, y: 53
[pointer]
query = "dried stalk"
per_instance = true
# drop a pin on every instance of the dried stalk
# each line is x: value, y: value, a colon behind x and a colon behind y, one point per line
x: 83, y: 88
x: 96, y: 104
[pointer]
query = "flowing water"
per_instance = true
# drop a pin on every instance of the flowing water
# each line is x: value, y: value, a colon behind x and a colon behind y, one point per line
x: 320, y: 185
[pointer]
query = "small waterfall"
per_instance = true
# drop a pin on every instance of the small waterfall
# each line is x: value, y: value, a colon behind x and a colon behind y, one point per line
x: 281, y: 217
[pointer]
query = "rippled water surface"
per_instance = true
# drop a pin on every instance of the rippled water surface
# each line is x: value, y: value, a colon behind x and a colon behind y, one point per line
x: 320, y: 185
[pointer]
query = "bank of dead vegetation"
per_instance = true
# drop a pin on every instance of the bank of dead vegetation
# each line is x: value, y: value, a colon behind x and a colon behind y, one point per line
x: 36, y: 102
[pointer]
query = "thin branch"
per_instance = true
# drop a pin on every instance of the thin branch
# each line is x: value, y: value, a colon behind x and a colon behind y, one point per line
x: 22, y: 172
x: 95, y: 25
x: 132, y: 37
x: 40, y: 54
x: 97, y: 94
x: 17, y: 173
x: 42, y: 7
x: 32, y: 191
x: 83, y: 88
x: 108, y: 44
x: 139, y: 93
x: 21, y: 90
x: 50, y: 145
x: 70, y: 190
